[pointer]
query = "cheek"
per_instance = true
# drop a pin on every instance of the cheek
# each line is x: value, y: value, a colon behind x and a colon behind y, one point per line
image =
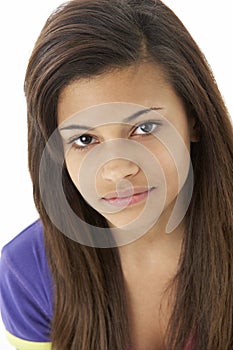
x: 73, y: 167
x: 83, y: 178
x: 168, y: 167
x: 174, y: 161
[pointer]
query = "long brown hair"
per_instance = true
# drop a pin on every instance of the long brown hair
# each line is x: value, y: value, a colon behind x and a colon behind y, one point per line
x: 83, y: 38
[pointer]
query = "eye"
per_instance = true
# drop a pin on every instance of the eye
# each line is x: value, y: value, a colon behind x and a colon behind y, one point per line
x: 82, y: 141
x: 146, y: 128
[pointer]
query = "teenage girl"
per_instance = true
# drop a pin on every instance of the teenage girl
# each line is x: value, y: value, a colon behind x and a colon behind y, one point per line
x: 130, y: 154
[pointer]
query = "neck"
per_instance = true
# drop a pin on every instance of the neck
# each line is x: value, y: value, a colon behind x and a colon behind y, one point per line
x: 155, y: 244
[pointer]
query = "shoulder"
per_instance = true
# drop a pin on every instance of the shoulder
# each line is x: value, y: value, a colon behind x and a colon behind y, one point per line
x: 25, y: 258
x: 26, y: 287
x: 32, y: 235
x: 26, y: 250
x: 27, y: 242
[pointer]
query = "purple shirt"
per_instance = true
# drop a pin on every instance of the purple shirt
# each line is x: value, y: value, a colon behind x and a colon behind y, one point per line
x: 26, y: 287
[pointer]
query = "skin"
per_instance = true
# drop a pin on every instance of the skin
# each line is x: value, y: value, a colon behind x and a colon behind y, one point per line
x: 154, y: 256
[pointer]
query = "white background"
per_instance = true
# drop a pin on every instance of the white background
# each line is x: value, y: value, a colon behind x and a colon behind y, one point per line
x: 208, y: 21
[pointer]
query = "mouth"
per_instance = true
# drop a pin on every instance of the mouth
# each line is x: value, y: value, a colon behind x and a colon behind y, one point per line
x: 127, y: 197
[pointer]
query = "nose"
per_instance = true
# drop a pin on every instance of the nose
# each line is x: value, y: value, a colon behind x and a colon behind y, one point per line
x: 119, y: 169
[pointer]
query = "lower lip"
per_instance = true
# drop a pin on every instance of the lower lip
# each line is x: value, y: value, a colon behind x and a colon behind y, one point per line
x: 127, y: 201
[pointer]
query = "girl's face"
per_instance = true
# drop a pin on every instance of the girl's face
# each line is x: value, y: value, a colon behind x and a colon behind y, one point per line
x: 135, y: 147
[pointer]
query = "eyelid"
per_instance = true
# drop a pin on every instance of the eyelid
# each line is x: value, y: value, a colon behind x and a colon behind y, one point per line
x: 159, y: 122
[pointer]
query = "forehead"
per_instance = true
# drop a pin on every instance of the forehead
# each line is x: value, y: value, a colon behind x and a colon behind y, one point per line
x: 141, y: 85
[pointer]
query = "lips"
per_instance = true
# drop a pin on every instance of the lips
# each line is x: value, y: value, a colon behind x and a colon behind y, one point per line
x: 127, y: 197
x: 126, y: 193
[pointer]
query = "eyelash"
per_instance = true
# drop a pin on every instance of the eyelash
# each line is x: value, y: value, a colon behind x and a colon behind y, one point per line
x: 82, y: 148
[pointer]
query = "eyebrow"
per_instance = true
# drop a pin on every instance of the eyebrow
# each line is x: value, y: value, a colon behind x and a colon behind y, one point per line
x: 128, y: 119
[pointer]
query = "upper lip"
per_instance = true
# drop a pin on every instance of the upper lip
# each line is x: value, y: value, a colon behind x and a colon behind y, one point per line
x: 126, y: 193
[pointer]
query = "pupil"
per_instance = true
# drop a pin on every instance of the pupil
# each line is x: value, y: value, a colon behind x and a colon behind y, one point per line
x: 85, y: 139
x: 146, y: 127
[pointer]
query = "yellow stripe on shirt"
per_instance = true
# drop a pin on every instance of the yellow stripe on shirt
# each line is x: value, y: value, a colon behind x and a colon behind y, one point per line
x: 22, y: 344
